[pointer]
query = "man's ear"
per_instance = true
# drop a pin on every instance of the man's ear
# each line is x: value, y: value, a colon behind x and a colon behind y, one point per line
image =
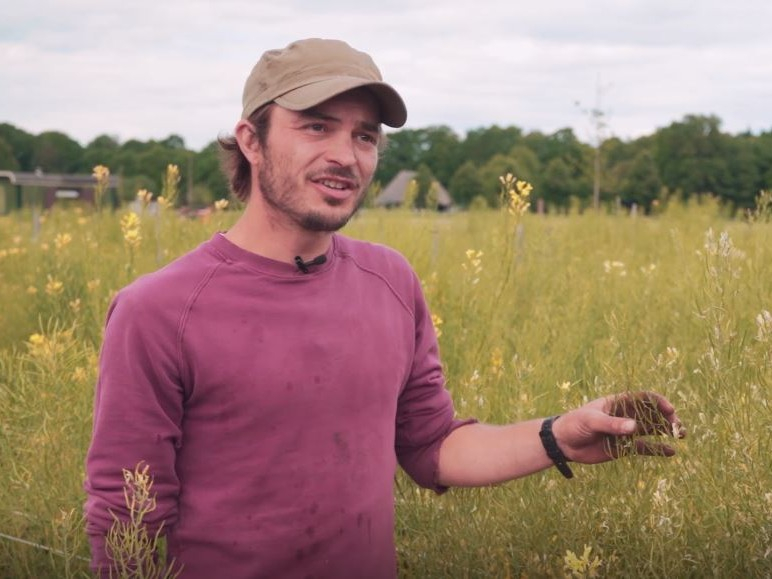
x: 247, y: 140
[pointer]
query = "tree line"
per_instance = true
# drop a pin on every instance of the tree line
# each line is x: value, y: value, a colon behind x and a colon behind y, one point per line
x: 690, y: 157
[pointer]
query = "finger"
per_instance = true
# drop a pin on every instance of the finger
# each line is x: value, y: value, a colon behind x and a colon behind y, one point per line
x: 653, y: 412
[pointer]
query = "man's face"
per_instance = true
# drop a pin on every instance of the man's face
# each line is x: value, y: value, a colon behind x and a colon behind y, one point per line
x: 316, y: 164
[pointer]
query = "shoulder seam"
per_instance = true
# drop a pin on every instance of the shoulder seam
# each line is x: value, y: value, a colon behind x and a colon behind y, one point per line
x: 344, y: 254
x: 209, y: 273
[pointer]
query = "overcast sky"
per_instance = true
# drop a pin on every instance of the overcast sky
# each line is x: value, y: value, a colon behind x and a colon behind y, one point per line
x: 148, y: 68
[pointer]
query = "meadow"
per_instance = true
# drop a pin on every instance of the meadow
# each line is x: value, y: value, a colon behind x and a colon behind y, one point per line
x: 535, y: 314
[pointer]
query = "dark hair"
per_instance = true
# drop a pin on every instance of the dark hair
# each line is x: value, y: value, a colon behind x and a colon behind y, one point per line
x: 233, y: 163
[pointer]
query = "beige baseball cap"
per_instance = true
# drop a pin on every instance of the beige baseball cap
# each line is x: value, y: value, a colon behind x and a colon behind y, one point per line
x: 310, y: 71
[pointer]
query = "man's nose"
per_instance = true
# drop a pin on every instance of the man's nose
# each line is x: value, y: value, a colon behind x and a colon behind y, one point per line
x: 341, y: 149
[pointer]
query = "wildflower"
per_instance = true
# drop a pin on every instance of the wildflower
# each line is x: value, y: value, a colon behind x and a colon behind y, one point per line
x: 75, y: 305
x: 79, y: 374
x: 617, y: 267
x: 764, y: 326
x: 54, y: 286
x: 32, y: 290
x: 723, y: 247
x: 144, y: 197
x: 581, y: 566
x: 93, y: 284
x: 62, y: 240
x: 515, y: 193
x: 102, y: 176
x: 437, y: 323
x: 170, y: 186
x: 37, y: 340
x: 564, y: 386
x: 130, y: 226
x: 473, y: 265
x: 221, y: 205
x: 101, y: 173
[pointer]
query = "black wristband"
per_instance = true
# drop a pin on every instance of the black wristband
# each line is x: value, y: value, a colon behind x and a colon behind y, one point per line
x: 552, y: 448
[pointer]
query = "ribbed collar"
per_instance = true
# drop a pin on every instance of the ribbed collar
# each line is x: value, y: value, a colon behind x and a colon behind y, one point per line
x: 232, y: 253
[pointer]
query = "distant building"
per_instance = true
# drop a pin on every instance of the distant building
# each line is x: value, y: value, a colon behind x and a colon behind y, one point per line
x: 393, y: 194
x: 18, y: 189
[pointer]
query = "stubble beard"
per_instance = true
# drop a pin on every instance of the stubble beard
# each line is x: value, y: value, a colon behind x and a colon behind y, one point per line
x: 279, y: 193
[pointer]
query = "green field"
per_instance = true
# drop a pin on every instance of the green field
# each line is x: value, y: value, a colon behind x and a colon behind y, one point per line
x: 535, y: 314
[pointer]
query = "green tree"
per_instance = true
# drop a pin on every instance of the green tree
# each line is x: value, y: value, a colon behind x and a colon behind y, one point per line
x: 206, y: 170
x: 103, y: 150
x: 403, y: 151
x: 7, y: 160
x: 441, y: 152
x: 55, y: 152
x: 22, y: 145
x: 481, y: 145
x: 642, y: 183
x: 691, y: 155
x: 465, y: 184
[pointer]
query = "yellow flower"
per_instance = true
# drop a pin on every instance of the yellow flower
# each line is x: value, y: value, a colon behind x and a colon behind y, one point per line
x: 62, y: 240
x: 132, y: 238
x: 32, y: 290
x: 437, y: 323
x: 101, y: 173
x: 36, y: 340
x: 581, y: 566
x: 54, y: 286
x: 130, y: 226
x: 221, y: 204
x: 130, y: 221
x: 515, y: 193
x: 144, y: 196
x: 93, y: 284
x: 75, y: 305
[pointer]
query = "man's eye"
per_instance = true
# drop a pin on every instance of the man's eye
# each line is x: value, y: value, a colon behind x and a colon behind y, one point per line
x: 367, y: 138
x: 317, y: 127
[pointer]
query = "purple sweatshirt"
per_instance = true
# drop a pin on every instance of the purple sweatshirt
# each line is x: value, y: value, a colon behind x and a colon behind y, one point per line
x: 272, y: 407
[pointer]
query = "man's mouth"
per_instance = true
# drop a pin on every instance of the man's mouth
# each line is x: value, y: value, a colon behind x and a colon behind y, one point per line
x: 333, y: 184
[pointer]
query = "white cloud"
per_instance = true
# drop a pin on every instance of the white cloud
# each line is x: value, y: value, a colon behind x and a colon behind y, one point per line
x: 146, y: 69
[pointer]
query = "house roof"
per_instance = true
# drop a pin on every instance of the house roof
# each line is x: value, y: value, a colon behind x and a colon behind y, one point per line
x: 394, y: 192
x: 52, y: 180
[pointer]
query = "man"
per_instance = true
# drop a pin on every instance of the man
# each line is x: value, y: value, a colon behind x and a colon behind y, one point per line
x: 272, y: 378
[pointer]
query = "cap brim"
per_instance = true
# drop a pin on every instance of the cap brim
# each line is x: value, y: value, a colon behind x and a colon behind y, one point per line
x: 392, y: 107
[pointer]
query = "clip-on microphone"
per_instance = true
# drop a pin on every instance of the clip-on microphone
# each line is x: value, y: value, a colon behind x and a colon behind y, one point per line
x: 304, y: 265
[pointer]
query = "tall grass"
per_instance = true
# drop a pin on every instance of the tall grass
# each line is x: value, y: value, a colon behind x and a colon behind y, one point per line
x: 535, y: 314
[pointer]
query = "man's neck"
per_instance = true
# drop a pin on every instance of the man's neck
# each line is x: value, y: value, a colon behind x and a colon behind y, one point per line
x: 276, y: 239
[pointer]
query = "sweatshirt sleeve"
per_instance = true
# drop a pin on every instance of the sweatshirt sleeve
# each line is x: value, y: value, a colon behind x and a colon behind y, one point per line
x: 137, y: 417
x: 425, y: 413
